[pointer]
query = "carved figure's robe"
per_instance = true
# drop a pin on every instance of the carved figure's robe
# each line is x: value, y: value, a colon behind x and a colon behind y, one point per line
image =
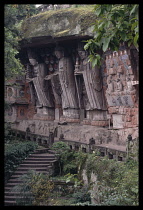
x: 93, y: 85
x: 66, y: 76
x: 56, y: 87
x: 43, y: 97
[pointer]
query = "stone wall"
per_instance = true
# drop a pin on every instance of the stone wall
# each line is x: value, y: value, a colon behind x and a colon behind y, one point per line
x: 121, y: 90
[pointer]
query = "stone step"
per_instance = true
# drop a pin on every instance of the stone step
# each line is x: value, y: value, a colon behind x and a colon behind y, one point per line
x: 51, y: 152
x: 32, y: 165
x: 34, y: 168
x: 12, y: 193
x: 13, y: 197
x: 52, y: 160
x: 9, y: 203
x: 25, y: 172
x: 15, y: 180
x: 44, y: 155
x: 7, y: 189
x: 39, y: 160
x: 43, y: 150
x: 11, y: 184
x: 14, y: 177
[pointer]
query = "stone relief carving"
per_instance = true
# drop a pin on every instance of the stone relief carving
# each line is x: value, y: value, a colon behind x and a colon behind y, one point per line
x: 52, y: 78
x: 40, y: 71
x: 67, y: 81
x: 84, y: 98
x: 77, y: 65
x: 29, y: 73
x: 32, y: 127
x: 110, y: 88
x: 34, y: 98
x: 119, y: 84
x: 92, y: 80
x: 130, y: 87
x: 56, y: 87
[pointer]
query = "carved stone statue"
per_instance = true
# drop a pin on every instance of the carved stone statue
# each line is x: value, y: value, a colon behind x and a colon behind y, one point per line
x: 110, y: 88
x: 56, y: 87
x: 119, y: 85
x: 93, y: 82
x: 67, y: 81
x: 29, y: 73
x: 84, y: 98
x: 130, y: 88
x: 39, y: 73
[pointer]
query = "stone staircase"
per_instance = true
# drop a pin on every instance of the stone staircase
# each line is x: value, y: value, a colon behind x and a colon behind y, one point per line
x: 41, y: 161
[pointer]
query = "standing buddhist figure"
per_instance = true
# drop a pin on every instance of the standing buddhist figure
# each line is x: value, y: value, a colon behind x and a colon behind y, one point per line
x: 67, y: 81
x: 45, y: 104
x: 93, y: 81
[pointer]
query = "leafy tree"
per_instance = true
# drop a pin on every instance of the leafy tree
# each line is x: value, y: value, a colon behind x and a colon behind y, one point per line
x: 14, y: 15
x: 65, y: 157
x: 115, y: 23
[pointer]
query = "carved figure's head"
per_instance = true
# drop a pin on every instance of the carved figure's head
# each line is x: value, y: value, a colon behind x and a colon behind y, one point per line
x: 82, y: 54
x: 59, y: 52
x: 46, y: 59
x: 33, y: 61
x: 81, y: 51
x: 128, y: 79
x: 32, y: 56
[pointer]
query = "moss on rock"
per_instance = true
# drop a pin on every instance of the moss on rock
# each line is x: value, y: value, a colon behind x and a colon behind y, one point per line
x: 71, y: 21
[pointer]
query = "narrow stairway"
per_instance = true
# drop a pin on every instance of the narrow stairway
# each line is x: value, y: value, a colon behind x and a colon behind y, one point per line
x: 41, y: 161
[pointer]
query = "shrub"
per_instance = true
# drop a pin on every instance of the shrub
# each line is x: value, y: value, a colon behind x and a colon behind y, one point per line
x: 69, y: 161
x: 82, y: 195
x: 117, y: 182
x: 66, y: 158
x: 15, y: 154
x: 35, y: 189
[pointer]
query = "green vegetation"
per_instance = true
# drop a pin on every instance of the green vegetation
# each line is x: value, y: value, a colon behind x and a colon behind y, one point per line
x: 115, y: 23
x: 15, y: 153
x: 115, y: 183
x: 69, y: 160
x: 13, y: 17
x: 34, y: 190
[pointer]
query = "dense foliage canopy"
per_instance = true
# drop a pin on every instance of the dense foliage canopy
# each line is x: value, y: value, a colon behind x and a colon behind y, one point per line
x: 115, y: 23
x: 14, y: 15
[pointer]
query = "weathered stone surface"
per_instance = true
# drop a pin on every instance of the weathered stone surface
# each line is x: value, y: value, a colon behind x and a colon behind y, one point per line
x: 118, y: 121
x: 79, y: 133
x: 125, y: 100
x: 100, y: 123
x: 72, y: 21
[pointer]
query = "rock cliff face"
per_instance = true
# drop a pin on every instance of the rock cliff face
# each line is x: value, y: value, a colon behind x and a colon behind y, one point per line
x: 84, y: 106
x: 72, y: 21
